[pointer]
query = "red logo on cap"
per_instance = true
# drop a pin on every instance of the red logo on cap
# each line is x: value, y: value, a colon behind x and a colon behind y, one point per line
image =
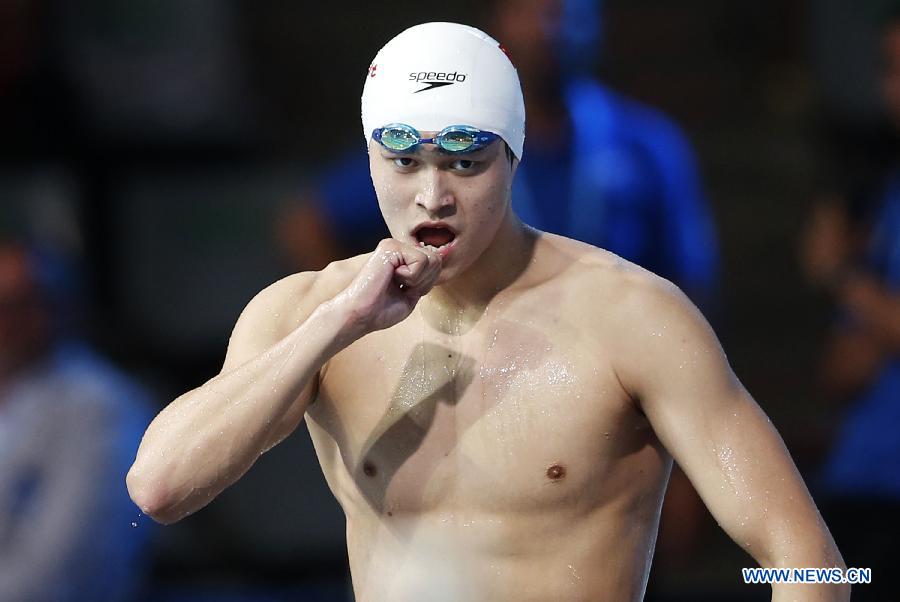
x: 372, y: 69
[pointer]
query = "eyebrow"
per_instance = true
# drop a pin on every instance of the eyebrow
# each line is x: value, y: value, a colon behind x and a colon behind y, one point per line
x: 478, y: 153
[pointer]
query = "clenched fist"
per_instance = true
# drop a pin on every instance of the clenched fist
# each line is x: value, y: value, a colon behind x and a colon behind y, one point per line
x: 389, y: 285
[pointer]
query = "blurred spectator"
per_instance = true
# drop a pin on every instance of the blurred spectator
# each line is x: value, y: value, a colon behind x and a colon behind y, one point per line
x: 155, y: 70
x: 597, y: 166
x: 851, y: 249
x: 69, y: 427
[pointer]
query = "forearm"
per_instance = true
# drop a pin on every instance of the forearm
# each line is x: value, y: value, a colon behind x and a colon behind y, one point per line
x: 810, y: 555
x: 808, y: 544
x: 810, y: 592
x: 209, y: 437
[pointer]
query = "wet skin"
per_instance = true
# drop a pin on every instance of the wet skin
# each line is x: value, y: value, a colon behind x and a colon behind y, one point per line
x: 503, y: 428
x: 504, y: 442
x: 500, y: 455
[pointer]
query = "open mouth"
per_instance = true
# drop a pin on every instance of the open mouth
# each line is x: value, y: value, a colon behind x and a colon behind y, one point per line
x: 436, y: 237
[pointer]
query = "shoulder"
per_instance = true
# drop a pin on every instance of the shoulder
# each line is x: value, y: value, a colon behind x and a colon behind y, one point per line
x: 286, y: 303
x: 652, y: 330
x: 597, y: 270
x: 648, y: 327
x: 614, y: 291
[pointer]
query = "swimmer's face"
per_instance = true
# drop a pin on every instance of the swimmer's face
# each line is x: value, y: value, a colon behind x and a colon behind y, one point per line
x: 469, y: 192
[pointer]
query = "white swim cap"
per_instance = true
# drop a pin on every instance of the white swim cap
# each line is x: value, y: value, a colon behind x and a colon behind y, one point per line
x: 438, y: 74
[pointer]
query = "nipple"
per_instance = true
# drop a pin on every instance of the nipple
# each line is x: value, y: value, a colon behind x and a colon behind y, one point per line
x: 556, y: 472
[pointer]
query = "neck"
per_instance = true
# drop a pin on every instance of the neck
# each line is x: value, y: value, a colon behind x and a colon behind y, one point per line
x: 467, y: 295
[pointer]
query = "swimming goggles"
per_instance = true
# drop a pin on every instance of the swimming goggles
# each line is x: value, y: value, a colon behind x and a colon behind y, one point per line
x: 452, y: 139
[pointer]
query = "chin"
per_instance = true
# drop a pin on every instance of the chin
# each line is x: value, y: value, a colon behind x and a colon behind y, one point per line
x: 452, y: 271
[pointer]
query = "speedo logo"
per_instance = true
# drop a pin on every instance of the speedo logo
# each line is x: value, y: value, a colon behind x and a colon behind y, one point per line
x: 435, y: 79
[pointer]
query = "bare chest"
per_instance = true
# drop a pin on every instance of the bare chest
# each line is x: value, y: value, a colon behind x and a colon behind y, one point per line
x: 505, y: 417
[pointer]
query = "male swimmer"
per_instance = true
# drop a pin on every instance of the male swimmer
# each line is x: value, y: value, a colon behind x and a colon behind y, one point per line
x: 496, y: 409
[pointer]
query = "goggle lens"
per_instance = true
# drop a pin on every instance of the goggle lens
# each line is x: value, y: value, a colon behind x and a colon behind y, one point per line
x: 398, y: 139
x: 456, y: 140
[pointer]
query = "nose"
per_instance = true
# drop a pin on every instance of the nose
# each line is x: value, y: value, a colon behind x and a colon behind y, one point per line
x: 434, y: 194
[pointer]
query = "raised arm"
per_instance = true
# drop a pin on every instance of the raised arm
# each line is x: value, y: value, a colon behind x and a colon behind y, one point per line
x: 209, y: 437
x: 675, y: 369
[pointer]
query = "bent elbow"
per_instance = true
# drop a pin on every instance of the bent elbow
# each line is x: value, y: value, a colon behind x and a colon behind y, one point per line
x: 150, y: 498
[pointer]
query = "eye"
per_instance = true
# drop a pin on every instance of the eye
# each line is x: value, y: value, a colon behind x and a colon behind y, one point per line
x: 463, y: 164
x: 403, y: 161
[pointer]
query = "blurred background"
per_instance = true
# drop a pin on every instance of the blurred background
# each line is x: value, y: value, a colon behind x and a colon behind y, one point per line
x: 162, y: 161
